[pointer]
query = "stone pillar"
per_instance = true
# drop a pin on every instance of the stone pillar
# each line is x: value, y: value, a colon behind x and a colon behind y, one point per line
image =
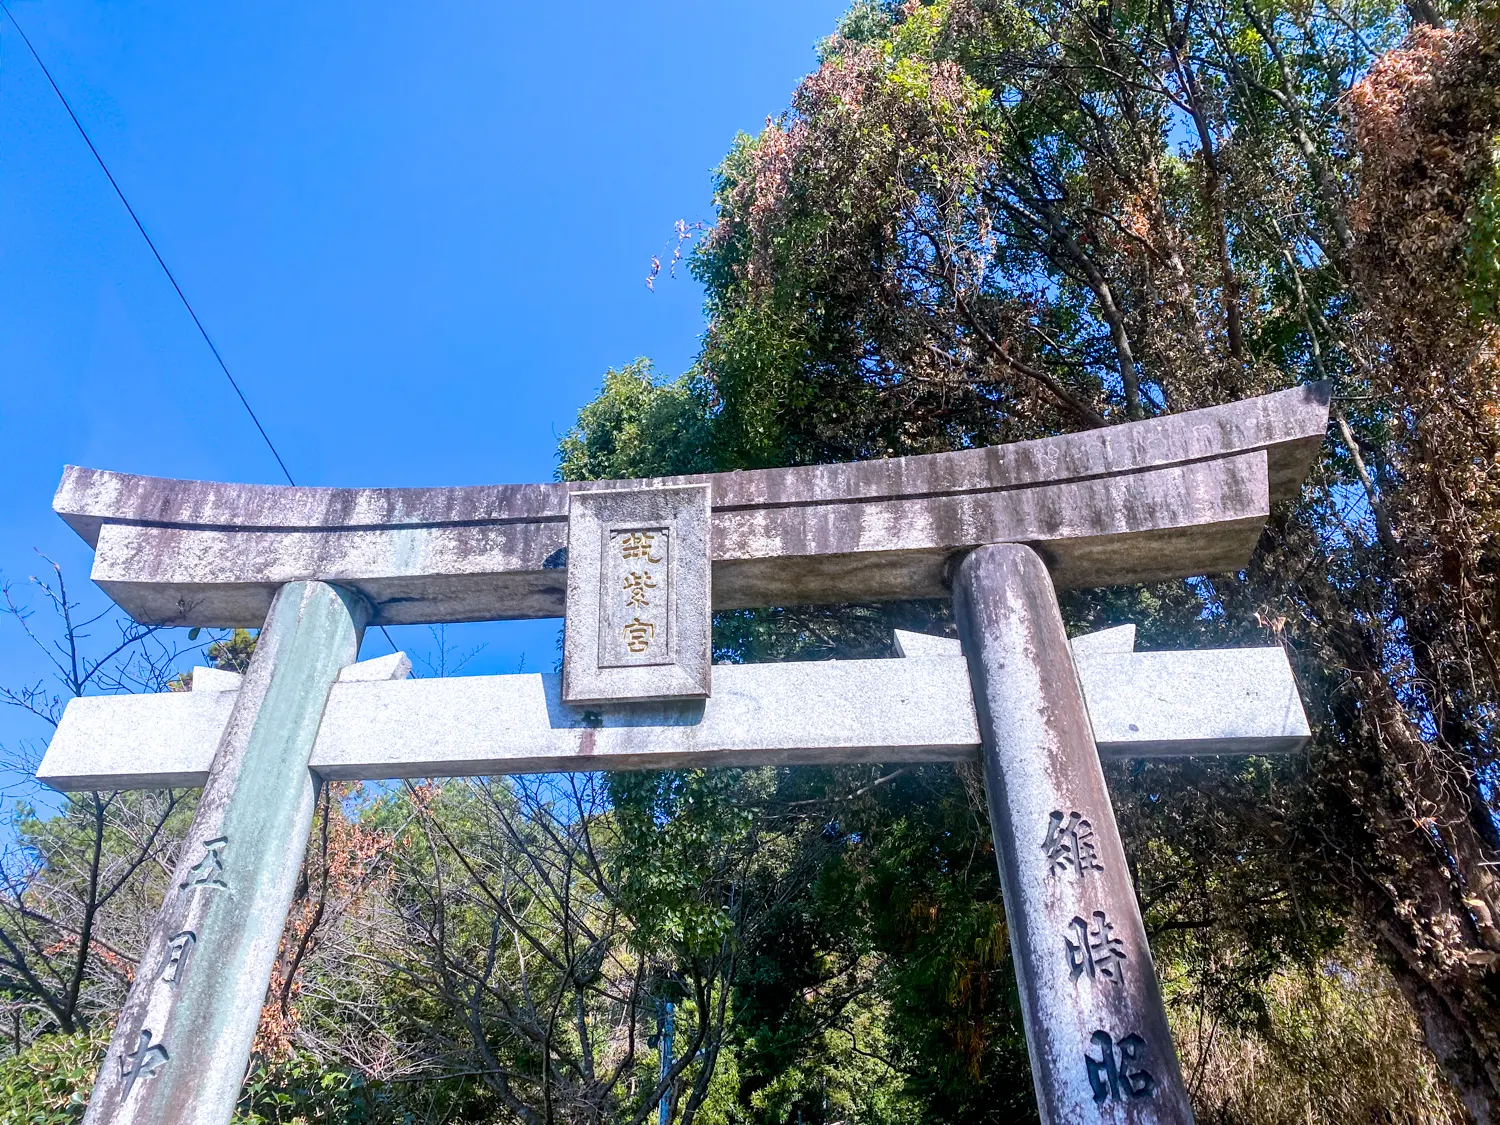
x: 1095, y: 1027
x: 183, y: 1040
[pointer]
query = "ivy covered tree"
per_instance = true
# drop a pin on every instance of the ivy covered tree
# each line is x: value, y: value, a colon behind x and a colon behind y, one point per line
x: 981, y: 221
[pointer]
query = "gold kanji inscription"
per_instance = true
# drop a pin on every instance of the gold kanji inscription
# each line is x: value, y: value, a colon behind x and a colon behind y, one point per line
x: 637, y: 582
x: 638, y: 635
x: 639, y: 545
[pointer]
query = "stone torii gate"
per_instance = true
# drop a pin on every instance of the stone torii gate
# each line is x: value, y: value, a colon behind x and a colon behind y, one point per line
x: 637, y: 567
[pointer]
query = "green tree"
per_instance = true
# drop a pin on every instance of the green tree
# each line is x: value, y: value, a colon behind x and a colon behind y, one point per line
x: 639, y: 426
x: 80, y: 875
x: 981, y: 221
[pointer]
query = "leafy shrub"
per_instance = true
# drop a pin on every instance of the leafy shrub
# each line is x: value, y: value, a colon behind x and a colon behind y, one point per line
x: 49, y: 1082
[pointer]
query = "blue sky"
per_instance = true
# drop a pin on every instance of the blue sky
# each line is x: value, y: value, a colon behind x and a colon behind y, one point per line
x: 418, y: 236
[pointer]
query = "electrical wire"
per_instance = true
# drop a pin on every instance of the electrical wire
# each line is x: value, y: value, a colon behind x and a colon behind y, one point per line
x: 82, y: 132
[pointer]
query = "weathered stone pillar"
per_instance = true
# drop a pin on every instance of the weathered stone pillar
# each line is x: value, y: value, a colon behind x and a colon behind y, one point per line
x: 179, y: 1051
x: 1095, y: 1027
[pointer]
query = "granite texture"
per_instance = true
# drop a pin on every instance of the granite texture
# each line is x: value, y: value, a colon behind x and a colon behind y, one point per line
x: 639, y: 618
x: 913, y: 709
x: 1172, y: 496
x: 1096, y: 1029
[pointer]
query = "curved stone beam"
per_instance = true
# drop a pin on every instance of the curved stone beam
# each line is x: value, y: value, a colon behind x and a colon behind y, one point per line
x: 1168, y: 497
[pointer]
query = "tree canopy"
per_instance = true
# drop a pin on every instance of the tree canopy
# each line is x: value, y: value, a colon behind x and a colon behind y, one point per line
x: 981, y: 221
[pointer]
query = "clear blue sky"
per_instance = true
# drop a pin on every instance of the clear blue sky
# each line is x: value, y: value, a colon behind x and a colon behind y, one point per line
x: 418, y: 234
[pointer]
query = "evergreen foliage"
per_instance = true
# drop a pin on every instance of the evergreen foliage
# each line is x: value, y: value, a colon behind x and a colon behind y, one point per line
x: 982, y: 221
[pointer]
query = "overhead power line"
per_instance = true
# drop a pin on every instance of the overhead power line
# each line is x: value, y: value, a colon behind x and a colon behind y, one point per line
x: 82, y: 132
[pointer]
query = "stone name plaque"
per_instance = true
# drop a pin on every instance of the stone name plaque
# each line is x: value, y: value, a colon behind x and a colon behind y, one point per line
x: 638, y: 624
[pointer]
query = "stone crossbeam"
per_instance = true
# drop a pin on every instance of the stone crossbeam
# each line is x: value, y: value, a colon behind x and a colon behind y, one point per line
x: 379, y: 725
x: 1167, y: 497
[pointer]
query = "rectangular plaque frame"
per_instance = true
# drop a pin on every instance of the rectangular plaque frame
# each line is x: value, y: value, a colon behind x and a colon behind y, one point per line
x: 639, y: 611
x: 635, y: 566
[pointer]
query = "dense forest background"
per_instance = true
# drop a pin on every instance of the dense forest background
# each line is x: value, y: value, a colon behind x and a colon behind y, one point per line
x: 978, y: 221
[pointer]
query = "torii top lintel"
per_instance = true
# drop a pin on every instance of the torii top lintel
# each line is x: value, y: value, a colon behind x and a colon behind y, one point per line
x: 1168, y: 497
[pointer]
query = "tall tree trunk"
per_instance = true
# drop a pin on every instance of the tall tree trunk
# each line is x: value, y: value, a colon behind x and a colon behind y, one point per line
x: 1445, y: 1035
x: 1410, y: 847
